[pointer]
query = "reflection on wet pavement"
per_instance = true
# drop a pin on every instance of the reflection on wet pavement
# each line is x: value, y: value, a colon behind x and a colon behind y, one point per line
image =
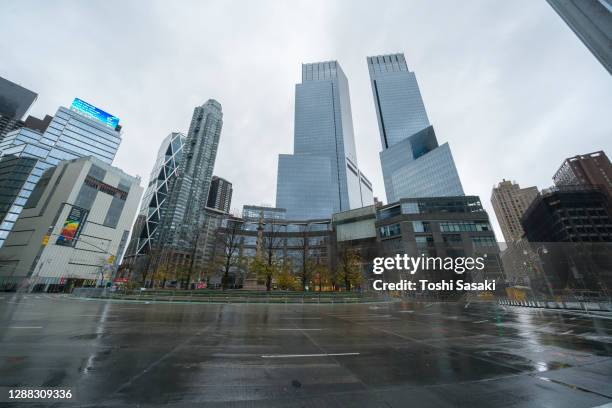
x: 395, y: 354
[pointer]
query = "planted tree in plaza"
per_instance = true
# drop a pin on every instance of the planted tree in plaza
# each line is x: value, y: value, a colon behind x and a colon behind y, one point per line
x: 349, y: 268
x: 153, y: 258
x: 322, y: 276
x: 307, y: 264
x: 194, y: 252
x: 228, y: 240
x: 161, y: 275
x: 285, y: 277
x: 182, y: 275
x: 271, y: 240
x: 211, y: 267
x: 264, y: 270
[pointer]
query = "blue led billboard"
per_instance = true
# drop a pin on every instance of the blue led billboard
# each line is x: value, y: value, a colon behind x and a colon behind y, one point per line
x: 91, y: 111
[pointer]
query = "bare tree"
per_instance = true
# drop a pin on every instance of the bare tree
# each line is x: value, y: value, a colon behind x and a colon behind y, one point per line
x: 194, y: 251
x: 228, y: 238
x: 308, y: 264
x: 322, y: 274
x: 271, y: 240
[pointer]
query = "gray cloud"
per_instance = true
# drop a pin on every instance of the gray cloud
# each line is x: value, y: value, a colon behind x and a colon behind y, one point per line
x: 507, y: 84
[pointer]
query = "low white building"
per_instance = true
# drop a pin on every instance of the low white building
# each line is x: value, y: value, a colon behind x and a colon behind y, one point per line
x: 73, y: 229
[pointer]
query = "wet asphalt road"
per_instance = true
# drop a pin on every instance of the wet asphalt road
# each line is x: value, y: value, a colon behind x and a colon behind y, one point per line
x: 383, y: 355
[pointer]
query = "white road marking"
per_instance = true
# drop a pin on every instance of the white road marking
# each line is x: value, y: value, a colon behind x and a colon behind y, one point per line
x: 568, y: 332
x: 481, y: 321
x: 300, y: 318
x: 309, y: 355
x: 25, y: 327
x: 299, y: 329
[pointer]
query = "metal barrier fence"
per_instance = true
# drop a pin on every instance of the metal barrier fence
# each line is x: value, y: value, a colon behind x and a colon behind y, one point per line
x: 237, y: 296
x: 595, y: 305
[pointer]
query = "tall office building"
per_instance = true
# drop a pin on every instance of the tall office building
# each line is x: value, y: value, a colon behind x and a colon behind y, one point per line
x: 592, y: 169
x: 145, y: 232
x: 82, y: 130
x: 73, y: 228
x: 509, y: 202
x: 220, y: 194
x: 184, y: 214
x: 321, y: 177
x: 569, y: 214
x: 15, y: 101
x: 591, y: 21
x: 570, y: 227
x: 413, y: 163
x: 37, y: 124
x: 439, y: 227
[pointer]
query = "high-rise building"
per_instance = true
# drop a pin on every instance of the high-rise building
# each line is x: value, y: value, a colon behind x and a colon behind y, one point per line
x: 570, y: 228
x: 592, y: 169
x: 413, y: 163
x: 322, y: 177
x: 591, y: 21
x: 82, y: 130
x: 145, y: 232
x: 509, y: 202
x: 220, y: 194
x: 15, y: 101
x: 37, y: 124
x: 183, y: 215
x: 8, y: 124
x: 569, y: 214
x: 442, y: 227
x: 73, y: 229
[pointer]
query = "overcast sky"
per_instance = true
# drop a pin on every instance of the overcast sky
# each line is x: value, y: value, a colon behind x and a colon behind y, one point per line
x: 506, y: 83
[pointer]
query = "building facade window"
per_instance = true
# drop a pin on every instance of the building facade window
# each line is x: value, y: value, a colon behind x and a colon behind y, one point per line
x: 390, y: 230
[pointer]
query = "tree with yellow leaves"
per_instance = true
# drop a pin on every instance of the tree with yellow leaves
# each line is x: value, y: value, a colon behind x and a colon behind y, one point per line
x: 348, y: 270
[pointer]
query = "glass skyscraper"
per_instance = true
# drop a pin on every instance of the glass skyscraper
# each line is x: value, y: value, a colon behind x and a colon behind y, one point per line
x: 220, y: 194
x: 321, y: 177
x: 145, y: 232
x: 15, y: 101
x: 413, y: 163
x: 184, y: 213
x: 26, y: 153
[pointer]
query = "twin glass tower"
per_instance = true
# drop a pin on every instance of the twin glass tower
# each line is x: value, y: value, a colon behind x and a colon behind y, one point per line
x: 413, y: 164
x: 322, y: 177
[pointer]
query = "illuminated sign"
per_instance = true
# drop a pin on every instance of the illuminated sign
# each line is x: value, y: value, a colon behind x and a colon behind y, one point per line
x: 84, y: 108
x: 72, y: 226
